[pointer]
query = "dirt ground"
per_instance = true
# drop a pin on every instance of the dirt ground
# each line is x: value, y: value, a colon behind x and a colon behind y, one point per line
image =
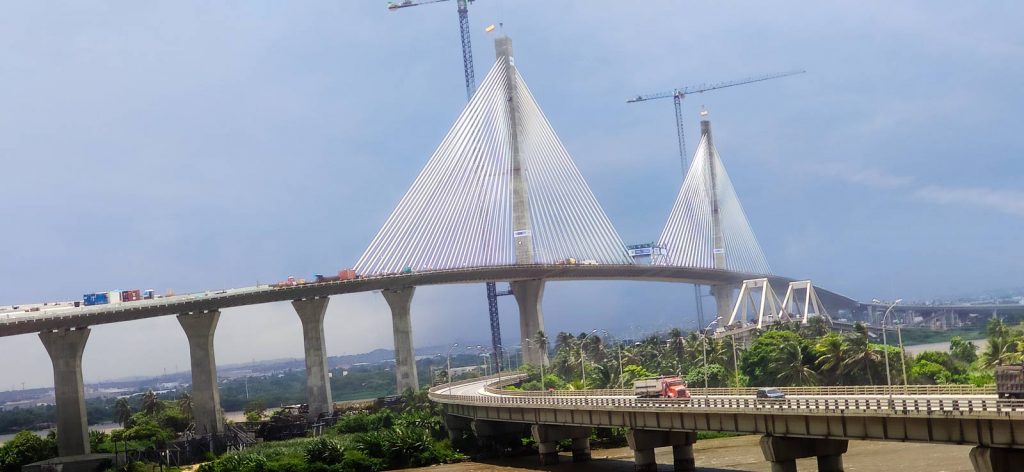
x: 743, y: 454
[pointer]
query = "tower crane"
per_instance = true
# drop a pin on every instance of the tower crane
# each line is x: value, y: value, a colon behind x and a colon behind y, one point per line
x: 467, y: 67
x: 467, y: 46
x: 677, y: 96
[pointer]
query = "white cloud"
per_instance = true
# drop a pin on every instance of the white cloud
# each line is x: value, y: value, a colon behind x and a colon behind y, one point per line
x: 866, y: 176
x: 1004, y: 201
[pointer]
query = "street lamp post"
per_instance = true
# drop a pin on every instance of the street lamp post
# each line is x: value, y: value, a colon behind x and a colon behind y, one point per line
x: 885, y: 344
x: 449, y: 371
x: 583, y: 358
x: 705, y: 336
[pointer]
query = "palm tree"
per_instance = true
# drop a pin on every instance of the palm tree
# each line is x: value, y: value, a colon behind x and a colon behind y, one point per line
x: 185, y: 405
x: 859, y: 354
x: 816, y: 327
x: 833, y: 359
x: 150, y: 403
x: 124, y: 411
x: 788, y: 361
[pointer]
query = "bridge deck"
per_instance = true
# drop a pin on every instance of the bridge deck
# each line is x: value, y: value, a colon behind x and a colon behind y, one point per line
x: 33, y: 322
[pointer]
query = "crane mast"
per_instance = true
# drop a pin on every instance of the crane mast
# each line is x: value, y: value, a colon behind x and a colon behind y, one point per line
x: 467, y: 48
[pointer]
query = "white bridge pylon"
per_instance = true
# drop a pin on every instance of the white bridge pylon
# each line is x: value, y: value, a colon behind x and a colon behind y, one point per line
x: 757, y: 298
x: 499, y: 190
x: 812, y: 304
x: 767, y: 302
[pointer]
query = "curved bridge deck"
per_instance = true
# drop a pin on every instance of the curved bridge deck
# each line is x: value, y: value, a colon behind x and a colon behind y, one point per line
x: 933, y: 414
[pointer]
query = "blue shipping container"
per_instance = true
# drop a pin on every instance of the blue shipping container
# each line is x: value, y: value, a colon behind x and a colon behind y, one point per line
x: 90, y: 299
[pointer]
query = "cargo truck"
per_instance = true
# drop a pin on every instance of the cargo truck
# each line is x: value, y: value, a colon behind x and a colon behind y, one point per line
x: 1010, y: 381
x: 661, y: 387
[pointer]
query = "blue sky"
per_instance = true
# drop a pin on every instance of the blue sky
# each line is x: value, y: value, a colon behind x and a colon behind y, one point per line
x: 186, y: 145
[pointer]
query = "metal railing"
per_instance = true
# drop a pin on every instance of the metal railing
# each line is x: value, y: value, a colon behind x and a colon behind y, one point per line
x: 825, y: 404
x: 852, y: 390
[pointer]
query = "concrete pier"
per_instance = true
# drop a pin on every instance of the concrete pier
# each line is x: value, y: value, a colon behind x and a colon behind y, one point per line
x: 996, y: 459
x: 644, y: 442
x: 529, y: 295
x: 400, y: 301
x: 723, y: 301
x: 783, y: 452
x: 65, y: 348
x: 199, y: 329
x: 318, y: 382
x: 547, y: 438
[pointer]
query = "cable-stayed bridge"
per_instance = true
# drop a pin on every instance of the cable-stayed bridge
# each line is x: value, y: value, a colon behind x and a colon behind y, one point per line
x: 500, y: 199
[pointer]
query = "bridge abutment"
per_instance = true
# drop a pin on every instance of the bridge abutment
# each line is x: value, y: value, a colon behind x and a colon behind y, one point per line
x: 529, y: 295
x: 318, y: 382
x: 400, y: 301
x: 65, y: 348
x: 996, y: 459
x: 644, y: 442
x: 783, y: 452
x: 199, y: 329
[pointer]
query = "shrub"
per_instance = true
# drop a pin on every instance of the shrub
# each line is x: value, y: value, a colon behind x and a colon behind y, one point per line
x: 358, y: 461
x: 324, y: 450
x: 247, y: 462
x: 362, y: 422
x: 25, y: 448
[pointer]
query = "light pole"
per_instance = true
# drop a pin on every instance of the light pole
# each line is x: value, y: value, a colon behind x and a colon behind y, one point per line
x: 583, y: 358
x: 705, y: 335
x: 885, y: 344
x: 449, y: 371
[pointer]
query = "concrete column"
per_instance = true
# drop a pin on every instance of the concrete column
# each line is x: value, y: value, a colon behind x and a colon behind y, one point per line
x: 581, y: 449
x: 548, y: 452
x: 318, y: 382
x: 783, y: 452
x: 995, y: 459
x: 643, y: 460
x: 65, y: 348
x: 400, y: 301
x: 682, y: 458
x: 529, y: 295
x: 724, y: 301
x: 199, y: 329
x: 547, y: 437
x: 643, y: 443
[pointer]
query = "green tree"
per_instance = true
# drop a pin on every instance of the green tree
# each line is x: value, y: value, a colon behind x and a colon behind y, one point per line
x: 831, y: 352
x: 25, y: 448
x: 963, y: 351
x: 816, y: 327
x: 861, y: 357
x: 789, y: 367
x: 717, y: 376
x: 185, y: 405
x: 124, y: 412
x: 760, y: 362
x: 255, y: 410
x: 151, y: 404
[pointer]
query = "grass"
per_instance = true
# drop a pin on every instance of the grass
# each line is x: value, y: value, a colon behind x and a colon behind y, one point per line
x: 927, y: 336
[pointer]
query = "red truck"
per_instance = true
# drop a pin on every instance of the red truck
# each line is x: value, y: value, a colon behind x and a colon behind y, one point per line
x: 661, y: 387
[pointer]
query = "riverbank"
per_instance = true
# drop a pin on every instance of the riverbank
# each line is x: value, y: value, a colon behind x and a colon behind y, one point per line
x: 743, y: 454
